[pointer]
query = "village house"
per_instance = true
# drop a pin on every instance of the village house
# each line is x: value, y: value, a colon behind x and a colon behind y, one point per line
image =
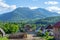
x: 56, y: 30
x: 27, y: 28
x: 43, y: 30
x: 49, y: 29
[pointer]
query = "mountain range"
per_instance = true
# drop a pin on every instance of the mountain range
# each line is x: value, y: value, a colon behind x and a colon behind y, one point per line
x: 47, y: 21
x: 25, y: 13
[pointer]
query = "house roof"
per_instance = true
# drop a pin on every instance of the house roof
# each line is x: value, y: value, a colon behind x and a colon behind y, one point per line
x: 27, y: 25
x: 49, y: 27
x: 57, y: 25
x: 42, y: 28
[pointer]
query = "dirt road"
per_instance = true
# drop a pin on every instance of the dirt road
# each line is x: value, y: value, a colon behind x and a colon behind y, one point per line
x: 29, y: 37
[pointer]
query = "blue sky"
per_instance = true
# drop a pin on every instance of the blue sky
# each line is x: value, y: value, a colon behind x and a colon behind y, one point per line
x: 9, y: 5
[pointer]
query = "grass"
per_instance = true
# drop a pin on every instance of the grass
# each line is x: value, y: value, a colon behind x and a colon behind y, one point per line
x: 3, y: 38
x: 49, y: 38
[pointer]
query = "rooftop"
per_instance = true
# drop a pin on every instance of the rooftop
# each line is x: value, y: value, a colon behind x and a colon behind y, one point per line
x: 57, y: 25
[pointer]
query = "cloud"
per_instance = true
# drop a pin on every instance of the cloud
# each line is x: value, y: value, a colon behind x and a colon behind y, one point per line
x: 13, y: 6
x: 54, y: 9
x: 33, y: 7
x: 6, y: 7
x: 59, y: 12
x: 53, y: 6
x: 0, y: 0
x: 51, y: 2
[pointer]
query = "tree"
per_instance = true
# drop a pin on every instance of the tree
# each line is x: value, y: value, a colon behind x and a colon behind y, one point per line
x: 10, y: 28
x: 33, y: 26
x: 14, y: 28
x: 39, y: 33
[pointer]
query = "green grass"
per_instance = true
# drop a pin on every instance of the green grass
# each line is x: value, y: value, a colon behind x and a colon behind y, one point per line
x: 3, y: 38
x: 49, y: 38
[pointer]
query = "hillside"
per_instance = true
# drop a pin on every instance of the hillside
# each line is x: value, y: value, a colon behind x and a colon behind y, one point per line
x: 26, y: 14
x: 48, y: 20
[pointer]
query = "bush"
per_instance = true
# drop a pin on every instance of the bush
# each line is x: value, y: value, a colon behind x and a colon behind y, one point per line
x: 40, y: 34
x: 47, y: 37
x: 10, y: 28
x: 3, y: 38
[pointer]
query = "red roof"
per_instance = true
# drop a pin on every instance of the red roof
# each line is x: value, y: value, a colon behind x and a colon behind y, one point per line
x: 57, y: 25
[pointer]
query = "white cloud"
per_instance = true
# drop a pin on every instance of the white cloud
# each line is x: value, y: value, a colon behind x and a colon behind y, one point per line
x: 51, y: 2
x: 0, y: 0
x: 54, y: 9
x: 13, y: 6
x: 6, y: 7
x: 59, y: 12
x: 33, y: 7
x: 53, y: 6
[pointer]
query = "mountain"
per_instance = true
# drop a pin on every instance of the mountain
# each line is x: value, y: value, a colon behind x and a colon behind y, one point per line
x: 24, y: 13
x: 47, y: 21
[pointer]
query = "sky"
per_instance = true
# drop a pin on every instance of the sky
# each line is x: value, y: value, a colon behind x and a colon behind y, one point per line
x: 10, y: 5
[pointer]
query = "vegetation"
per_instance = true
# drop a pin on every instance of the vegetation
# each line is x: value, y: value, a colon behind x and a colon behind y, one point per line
x: 45, y: 21
x: 45, y: 36
x: 3, y: 38
x: 40, y: 34
x: 10, y: 28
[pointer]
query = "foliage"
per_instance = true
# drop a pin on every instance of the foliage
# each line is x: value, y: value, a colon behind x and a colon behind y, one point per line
x: 46, y: 21
x: 22, y: 30
x: 3, y: 38
x: 47, y: 37
x: 10, y: 28
x: 40, y: 34
x: 33, y: 26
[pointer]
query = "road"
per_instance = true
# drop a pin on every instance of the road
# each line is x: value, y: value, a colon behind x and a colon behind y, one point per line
x: 29, y: 37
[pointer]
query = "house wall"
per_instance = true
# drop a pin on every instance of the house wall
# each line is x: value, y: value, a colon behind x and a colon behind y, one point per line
x: 56, y: 32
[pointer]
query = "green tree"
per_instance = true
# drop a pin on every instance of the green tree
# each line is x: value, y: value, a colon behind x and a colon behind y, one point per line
x: 47, y: 37
x: 14, y: 28
x: 33, y: 26
x: 10, y: 28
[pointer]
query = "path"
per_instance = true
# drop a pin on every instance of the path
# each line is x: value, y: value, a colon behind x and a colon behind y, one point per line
x: 29, y: 37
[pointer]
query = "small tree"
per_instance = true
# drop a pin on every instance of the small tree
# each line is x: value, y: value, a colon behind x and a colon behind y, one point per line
x: 47, y: 37
x: 10, y: 28
x: 33, y: 26
x: 14, y: 28
x: 40, y: 34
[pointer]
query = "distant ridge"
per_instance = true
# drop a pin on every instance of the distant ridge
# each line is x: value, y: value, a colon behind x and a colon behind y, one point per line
x: 25, y: 13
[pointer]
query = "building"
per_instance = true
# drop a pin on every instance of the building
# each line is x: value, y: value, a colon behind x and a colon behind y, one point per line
x: 27, y: 28
x: 56, y: 30
x: 49, y: 29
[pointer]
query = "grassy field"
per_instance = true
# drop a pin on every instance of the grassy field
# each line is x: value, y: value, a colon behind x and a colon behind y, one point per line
x: 3, y: 38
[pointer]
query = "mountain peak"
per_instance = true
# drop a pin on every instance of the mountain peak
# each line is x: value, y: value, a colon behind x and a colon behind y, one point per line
x: 25, y: 13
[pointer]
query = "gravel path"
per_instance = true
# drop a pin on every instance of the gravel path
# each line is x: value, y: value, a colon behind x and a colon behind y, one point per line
x: 29, y: 37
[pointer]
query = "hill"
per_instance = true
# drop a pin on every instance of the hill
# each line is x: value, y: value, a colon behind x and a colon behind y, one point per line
x: 25, y: 14
x: 47, y: 21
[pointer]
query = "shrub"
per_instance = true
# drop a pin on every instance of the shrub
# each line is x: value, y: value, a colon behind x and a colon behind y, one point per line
x: 40, y: 34
x: 3, y: 38
x: 10, y: 28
